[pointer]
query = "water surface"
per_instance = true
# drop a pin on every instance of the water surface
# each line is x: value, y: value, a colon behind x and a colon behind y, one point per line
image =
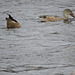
x: 36, y: 48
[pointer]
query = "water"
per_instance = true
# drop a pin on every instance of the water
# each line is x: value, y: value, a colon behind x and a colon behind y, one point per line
x: 36, y: 48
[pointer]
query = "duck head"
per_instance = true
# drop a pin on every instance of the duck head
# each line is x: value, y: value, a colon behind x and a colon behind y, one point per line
x: 68, y: 12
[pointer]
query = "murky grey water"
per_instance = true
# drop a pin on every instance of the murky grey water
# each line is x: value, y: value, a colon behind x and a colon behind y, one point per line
x: 36, y: 48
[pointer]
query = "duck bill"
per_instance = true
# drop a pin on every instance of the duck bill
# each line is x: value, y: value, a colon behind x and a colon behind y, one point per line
x: 72, y: 15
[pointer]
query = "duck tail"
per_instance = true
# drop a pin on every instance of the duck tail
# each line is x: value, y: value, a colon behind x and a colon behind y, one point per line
x: 11, y: 17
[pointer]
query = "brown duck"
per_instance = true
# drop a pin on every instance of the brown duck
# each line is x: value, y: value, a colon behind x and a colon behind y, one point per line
x: 66, y: 12
x: 12, y: 23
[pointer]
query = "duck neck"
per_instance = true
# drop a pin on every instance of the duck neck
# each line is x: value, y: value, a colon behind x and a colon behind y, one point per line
x: 65, y: 16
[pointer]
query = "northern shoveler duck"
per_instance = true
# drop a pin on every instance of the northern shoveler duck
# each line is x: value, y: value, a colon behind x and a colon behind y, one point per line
x: 12, y: 23
x: 45, y: 18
